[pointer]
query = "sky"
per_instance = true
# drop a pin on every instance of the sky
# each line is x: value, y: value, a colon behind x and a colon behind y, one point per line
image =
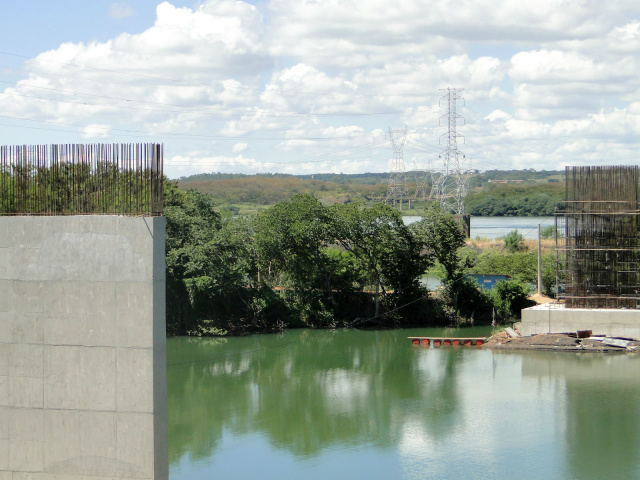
x: 327, y: 86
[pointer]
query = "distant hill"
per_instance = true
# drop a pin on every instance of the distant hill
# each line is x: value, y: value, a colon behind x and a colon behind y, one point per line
x: 494, y: 192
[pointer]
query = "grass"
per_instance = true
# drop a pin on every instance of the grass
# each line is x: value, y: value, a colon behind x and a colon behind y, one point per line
x: 481, y: 244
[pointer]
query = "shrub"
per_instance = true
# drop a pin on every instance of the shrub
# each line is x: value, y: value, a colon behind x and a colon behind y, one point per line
x: 509, y: 297
x: 513, y: 241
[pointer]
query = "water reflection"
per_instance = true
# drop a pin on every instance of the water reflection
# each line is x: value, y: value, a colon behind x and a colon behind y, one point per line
x: 602, y: 412
x: 321, y: 403
x: 304, y: 393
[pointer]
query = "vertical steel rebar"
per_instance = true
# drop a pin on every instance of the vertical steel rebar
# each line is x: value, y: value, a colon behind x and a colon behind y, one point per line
x: 121, y: 179
x: 602, y: 244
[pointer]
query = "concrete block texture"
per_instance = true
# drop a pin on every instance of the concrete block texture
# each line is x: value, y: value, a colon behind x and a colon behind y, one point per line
x: 557, y: 319
x: 82, y: 348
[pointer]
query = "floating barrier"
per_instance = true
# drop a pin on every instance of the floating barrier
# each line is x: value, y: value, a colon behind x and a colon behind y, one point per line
x: 448, y: 341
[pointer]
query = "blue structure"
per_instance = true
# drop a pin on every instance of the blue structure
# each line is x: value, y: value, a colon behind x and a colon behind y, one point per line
x: 489, y: 281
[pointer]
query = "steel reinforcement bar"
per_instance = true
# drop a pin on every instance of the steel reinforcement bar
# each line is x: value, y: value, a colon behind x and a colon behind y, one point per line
x: 97, y: 179
x: 599, y: 249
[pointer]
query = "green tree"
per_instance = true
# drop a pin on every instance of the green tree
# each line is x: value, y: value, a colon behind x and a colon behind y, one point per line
x: 513, y: 241
x: 388, y: 253
x: 509, y: 297
x: 442, y: 236
x: 210, y: 265
x: 292, y: 239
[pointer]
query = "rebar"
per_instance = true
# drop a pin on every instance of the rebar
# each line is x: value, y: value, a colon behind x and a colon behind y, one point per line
x: 599, y: 249
x: 96, y: 179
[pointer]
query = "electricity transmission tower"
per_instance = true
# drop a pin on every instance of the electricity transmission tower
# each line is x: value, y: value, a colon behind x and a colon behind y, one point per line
x: 397, y: 183
x: 421, y: 183
x: 451, y: 176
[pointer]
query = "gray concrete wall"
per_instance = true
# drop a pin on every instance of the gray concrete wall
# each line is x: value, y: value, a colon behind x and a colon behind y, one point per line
x: 82, y: 348
x: 552, y: 318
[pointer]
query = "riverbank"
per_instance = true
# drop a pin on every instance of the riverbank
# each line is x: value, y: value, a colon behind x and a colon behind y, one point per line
x: 557, y: 342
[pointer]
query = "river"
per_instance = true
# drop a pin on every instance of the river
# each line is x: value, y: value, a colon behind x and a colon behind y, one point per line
x: 495, y: 227
x: 367, y: 404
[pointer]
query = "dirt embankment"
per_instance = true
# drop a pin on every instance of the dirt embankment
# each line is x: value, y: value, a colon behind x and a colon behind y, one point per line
x: 556, y: 342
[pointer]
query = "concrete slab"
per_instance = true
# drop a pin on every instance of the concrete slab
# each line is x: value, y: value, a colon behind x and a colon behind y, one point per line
x: 133, y: 367
x: 21, y: 328
x: 24, y: 359
x: 4, y: 423
x: 26, y: 424
x: 134, y: 314
x: 25, y: 392
x: 70, y: 369
x: 80, y: 442
x: 135, y: 445
x: 26, y: 456
x: 4, y: 262
x: 6, y: 299
x: 557, y: 319
x: 4, y: 396
x: 26, y: 296
x: 4, y: 360
x: 4, y: 457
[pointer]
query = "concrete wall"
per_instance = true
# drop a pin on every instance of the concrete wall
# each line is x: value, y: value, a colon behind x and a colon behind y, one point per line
x: 557, y: 319
x: 82, y: 348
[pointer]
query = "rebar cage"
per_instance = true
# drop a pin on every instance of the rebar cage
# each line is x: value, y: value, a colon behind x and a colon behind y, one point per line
x: 98, y: 179
x: 597, y: 238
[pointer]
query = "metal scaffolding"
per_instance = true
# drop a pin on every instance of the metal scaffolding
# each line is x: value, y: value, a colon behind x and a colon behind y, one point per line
x: 598, y: 238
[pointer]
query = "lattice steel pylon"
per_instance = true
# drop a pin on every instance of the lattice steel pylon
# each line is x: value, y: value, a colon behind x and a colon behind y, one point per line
x: 397, y: 188
x: 421, y: 183
x: 451, y: 176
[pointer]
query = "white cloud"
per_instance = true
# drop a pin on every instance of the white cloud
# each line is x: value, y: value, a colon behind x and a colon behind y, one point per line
x: 97, y: 130
x: 312, y: 85
x: 239, y: 147
x: 120, y: 10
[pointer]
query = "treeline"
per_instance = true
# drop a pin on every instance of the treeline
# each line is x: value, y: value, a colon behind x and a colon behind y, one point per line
x: 270, y: 189
x: 481, y: 179
x: 504, y: 200
x: 301, y: 263
x: 537, y: 195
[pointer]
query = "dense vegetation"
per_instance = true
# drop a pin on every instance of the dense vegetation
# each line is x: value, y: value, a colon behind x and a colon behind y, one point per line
x: 537, y: 194
x: 302, y: 263
x: 502, y: 200
x: 310, y: 260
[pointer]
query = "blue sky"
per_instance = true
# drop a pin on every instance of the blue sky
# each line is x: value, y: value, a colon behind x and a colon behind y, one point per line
x: 310, y: 86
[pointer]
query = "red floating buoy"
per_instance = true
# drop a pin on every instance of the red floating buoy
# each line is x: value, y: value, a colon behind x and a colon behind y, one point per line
x: 446, y: 343
x: 415, y: 341
x: 467, y: 343
x: 455, y: 343
x: 436, y: 343
x: 478, y: 343
x: 425, y: 342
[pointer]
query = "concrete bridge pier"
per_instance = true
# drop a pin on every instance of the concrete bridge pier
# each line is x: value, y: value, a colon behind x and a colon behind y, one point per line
x: 82, y: 348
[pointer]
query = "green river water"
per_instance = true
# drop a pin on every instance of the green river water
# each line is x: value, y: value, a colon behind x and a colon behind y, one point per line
x: 353, y: 404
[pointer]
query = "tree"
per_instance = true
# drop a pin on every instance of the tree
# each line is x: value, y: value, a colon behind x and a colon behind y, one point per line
x: 441, y: 235
x: 513, y: 241
x: 509, y: 297
x: 387, y: 251
x: 292, y: 240
x: 209, y: 264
